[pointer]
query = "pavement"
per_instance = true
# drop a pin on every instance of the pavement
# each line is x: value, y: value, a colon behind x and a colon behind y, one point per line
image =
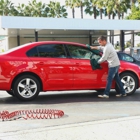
x: 86, y: 118
x: 125, y: 128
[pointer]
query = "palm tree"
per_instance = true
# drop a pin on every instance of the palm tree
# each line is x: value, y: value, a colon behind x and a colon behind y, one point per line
x: 100, y: 6
x: 81, y: 4
x: 37, y: 9
x: 91, y: 8
x: 132, y: 32
x: 72, y: 5
x: 24, y: 10
x: 117, y: 7
x: 56, y: 10
x: 121, y: 7
x: 6, y: 8
x: 124, y: 7
x: 33, y: 9
x: 109, y: 5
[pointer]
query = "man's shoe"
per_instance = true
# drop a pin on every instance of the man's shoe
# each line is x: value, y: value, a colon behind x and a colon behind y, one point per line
x: 103, y: 96
x: 119, y: 95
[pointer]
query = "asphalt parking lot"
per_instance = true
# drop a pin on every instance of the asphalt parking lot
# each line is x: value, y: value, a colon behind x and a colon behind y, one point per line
x: 79, y: 107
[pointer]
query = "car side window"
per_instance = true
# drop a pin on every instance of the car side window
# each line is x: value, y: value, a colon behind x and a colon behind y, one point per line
x: 48, y: 50
x: 128, y: 58
x: 79, y: 52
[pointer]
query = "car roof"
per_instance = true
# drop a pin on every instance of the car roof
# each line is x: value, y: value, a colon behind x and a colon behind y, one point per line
x: 57, y: 42
x: 40, y: 43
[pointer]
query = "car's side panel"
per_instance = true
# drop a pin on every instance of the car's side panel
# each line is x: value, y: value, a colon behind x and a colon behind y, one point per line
x: 6, y: 71
x: 57, y: 72
x: 10, y: 68
x: 87, y: 78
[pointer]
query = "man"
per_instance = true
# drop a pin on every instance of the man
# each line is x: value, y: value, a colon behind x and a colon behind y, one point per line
x: 110, y: 55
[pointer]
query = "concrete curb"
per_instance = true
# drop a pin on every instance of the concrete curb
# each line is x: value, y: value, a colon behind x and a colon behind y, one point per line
x: 115, y: 129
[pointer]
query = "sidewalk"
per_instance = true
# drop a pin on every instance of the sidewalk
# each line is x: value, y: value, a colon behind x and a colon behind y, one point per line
x: 127, y: 128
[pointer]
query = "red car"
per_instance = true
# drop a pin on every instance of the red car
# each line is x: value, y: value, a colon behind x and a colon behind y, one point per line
x: 56, y: 65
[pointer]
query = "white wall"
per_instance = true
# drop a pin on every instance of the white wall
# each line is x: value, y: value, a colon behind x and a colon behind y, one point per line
x: 13, y: 40
x: 3, y: 44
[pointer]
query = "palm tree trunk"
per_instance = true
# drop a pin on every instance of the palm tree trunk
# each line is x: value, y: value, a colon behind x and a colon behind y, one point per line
x: 81, y: 11
x: 119, y: 15
x: 113, y: 16
x: 73, y: 12
x: 109, y: 16
x: 123, y: 15
x: 94, y: 11
x: 101, y: 11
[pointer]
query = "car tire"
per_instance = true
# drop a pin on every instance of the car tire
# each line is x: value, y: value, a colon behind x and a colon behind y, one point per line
x: 10, y: 92
x: 129, y: 82
x: 26, y: 87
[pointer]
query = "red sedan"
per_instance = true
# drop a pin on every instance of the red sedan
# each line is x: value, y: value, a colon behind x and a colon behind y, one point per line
x: 54, y: 66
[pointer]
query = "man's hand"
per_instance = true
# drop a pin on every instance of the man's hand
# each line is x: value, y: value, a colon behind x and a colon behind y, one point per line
x: 88, y: 46
x: 92, y: 47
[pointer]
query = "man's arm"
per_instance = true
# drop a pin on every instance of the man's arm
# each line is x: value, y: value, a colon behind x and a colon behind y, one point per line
x: 92, y: 47
x: 104, y: 56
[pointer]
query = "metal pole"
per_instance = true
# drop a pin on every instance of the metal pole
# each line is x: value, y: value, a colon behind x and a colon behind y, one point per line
x: 112, y: 33
x: 110, y: 37
x: 90, y: 39
x: 18, y: 40
x: 36, y: 36
x: 122, y: 40
x: 132, y: 38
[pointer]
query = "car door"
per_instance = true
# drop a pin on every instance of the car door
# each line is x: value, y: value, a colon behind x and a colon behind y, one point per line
x: 51, y: 60
x: 84, y: 76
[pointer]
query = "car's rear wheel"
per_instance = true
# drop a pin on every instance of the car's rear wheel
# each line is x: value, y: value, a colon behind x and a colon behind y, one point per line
x: 26, y: 87
x: 129, y: 82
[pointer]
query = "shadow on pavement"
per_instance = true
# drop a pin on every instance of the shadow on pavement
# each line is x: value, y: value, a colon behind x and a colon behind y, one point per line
x: 70, y: 98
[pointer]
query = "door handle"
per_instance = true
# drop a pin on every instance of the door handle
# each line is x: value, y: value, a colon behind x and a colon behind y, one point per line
x: 41, y: 63
x: 77, y: 63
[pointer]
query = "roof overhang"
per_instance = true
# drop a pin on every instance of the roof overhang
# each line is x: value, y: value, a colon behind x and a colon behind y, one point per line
x: 38, y: 23
x: 13, y: 26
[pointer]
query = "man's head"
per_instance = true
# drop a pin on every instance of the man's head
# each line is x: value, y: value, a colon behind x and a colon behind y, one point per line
x: 102, y: 40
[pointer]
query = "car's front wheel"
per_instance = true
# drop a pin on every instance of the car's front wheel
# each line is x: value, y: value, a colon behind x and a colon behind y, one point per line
x: 26, y: 87
x: 129, y: 82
